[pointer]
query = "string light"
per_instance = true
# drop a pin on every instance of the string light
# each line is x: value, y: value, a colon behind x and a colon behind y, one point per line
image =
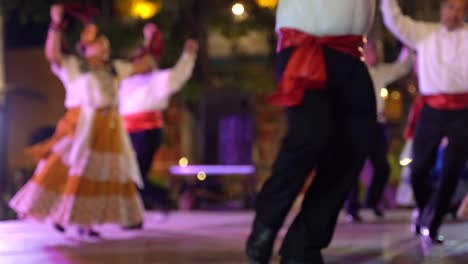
x: 395, y: 95
x: 384, y: 93
x: 238, y: 9
x: 183, y: 162
x: 405, y: 161
x: 201, y: 176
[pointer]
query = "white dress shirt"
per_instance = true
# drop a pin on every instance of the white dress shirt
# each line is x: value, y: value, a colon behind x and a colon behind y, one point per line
x: 151, y: 91
x: 442, y: 54
x: 326, y: 17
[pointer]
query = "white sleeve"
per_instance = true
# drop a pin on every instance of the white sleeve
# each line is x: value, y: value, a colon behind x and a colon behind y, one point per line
x: 123, y: 68
x: 68, y: 69
x: 403, y: 27
x: 396, y: 70
x: 159, y: 85
x: 181, y: 72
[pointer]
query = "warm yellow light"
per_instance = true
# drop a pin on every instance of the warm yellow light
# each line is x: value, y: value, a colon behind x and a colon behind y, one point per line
x: 405, y: 161
x: 267, y: 3
x: 395, y: 95
x: 201, y: 176
x: 238, y: 9
x: 183, y: 162
x: 384, y: 93
x: 145, y: 9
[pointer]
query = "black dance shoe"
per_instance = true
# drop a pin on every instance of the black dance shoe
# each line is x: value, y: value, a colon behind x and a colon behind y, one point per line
x: 431, y: 237
x: 353, y: 218
x: 260, y: 244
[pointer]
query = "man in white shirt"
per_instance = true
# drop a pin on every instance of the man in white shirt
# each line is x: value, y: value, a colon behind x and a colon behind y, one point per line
x: 443, y: 83
x: 143, y: 97
x: 330, y: 106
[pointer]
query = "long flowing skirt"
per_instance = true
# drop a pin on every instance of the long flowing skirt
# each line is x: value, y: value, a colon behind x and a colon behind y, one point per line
x: 95, y: 190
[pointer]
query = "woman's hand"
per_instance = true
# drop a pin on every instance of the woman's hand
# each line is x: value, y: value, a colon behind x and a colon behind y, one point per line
x: 191, y: 46
x: 149, y: 30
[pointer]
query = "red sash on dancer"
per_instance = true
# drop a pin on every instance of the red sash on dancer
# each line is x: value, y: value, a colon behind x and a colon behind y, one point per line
x: 306, y: 68
x: 449, y: 102
x: 416, y: 108
x: 143, y: 121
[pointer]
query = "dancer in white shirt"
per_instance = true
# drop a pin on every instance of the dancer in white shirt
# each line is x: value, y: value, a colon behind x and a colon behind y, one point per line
x: 443, y: 84
x: 143, y: 97
x: 330, y: 106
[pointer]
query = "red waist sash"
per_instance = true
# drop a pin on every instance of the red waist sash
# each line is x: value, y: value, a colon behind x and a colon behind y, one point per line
x: 306, y: 68
x: 143, y: 121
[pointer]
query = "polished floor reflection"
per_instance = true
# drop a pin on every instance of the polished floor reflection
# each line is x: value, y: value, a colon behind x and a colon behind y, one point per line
x: 218, y: 237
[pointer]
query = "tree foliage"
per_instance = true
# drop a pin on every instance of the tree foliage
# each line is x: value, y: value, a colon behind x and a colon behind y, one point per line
x: 178, y: 19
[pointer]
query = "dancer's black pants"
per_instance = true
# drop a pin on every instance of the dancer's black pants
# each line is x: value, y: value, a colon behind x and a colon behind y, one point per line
x: 146, y: 143
x: 329, y: 131
x: 432, y: 126
x: 380, y: 174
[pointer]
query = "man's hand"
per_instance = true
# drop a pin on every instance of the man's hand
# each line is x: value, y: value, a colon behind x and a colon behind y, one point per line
x: 56, y: 13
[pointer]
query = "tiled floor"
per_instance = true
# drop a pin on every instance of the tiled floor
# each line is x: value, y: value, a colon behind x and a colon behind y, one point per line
x: 218, y: 237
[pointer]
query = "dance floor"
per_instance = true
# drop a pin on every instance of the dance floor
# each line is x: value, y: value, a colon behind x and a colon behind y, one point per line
x: 218, y: 237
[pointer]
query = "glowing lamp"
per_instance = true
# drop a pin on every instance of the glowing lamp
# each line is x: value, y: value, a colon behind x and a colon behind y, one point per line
x: 201, y: 176
x: 395, y: 95
x: 238, y: 9
x: 405, y: 161
x: 145, y: 9
x: 271, y: 4
x: 384, y: 93
x: 183, y: 162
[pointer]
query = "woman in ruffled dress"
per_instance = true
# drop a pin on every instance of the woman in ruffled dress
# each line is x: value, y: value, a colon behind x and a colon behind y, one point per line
x: 86, y: 171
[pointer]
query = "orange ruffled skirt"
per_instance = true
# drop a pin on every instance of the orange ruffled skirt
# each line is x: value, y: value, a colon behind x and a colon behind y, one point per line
x: 97, y: 191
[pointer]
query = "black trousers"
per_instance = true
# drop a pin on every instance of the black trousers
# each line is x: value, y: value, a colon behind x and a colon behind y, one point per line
x: 432, y: 126
x: 329, y: 131
x: 380, y: 175
x: 146, y: 143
